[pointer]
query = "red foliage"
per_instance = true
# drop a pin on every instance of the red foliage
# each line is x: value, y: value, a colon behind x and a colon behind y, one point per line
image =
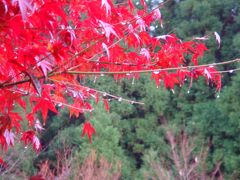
x: 37, y: 177
x: 29, y: 137
x: 88, y: 130
x: 47, y: 46
x: 3, y: 164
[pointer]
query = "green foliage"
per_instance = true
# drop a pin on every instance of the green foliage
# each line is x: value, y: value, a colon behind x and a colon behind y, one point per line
x: 106, y: 141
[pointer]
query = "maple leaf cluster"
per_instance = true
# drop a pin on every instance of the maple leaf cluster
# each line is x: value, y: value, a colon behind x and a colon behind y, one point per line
x: 47, y: 46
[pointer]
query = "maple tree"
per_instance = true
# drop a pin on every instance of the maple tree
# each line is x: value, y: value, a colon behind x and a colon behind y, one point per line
x: 47, y: 47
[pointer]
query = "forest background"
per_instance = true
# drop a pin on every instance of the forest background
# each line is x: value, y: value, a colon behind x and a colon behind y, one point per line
x: 192, y: 133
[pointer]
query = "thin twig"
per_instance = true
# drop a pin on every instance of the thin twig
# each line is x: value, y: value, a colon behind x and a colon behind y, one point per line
x: 127, y: 72
x: 151, y: 70
x: 98, y: 91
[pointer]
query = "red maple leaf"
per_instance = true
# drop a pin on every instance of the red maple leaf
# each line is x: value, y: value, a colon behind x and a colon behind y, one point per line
x: 3, y: 142
x: 44, y: 104
x: 105, y: 101
x: 9, y: 121
x: 88, y: 130
x: 131, y: 5
x: 29, y: 137
x: 3, y: 164
x: 1, y: 161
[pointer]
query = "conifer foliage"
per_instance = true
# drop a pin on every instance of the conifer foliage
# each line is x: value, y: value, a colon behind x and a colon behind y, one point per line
x: 48, y: 47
